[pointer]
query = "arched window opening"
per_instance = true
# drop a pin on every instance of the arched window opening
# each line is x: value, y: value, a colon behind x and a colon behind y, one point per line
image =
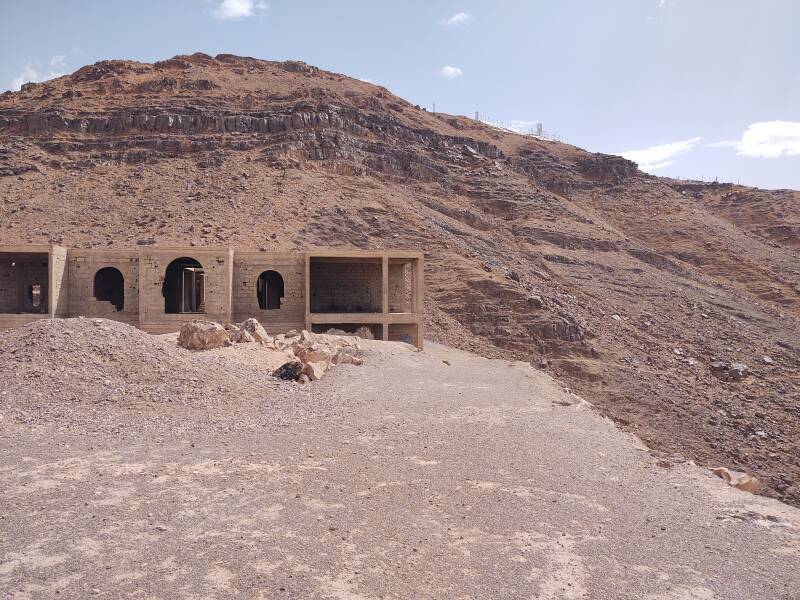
x: 269, y: 289
x: 109, y: 286
x: 184, y: 287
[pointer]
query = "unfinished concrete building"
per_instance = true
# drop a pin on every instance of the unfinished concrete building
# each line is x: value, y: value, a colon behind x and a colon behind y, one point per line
x: 157, y: 289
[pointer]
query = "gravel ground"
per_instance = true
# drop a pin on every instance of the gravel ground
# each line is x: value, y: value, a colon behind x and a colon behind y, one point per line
x: 131, y: 468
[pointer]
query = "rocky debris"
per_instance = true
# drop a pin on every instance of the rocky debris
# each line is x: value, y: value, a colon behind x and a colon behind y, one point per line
x: 238, y: 335
x: 81, y: 370
x: 316, y: 353
x: 737, y: 479
x: 313, y: 353
x: 198, y: 334
x: 289, y: 371
x: 315, y: 370
x: 364, y: 332
x: 729, y: 371
x: 255, y: 330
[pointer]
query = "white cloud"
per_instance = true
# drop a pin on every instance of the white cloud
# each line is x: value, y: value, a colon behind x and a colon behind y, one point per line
x: 770, y: 139
x: 229, y: 10
x: 658, y: 157
x: 366, y: 80
x: 460, y: 18
x: 32, y: 72
x: 449, y: 72
x: 57, y: 62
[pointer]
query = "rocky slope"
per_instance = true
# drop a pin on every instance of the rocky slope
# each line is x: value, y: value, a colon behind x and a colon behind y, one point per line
x: 625, y: 286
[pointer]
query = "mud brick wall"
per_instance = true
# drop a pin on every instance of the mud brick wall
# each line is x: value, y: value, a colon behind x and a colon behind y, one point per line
x: 15, y: 281
x: 218, y: 268
x: 82, y: 267
x: 247, y: 267
x: 346, y: 286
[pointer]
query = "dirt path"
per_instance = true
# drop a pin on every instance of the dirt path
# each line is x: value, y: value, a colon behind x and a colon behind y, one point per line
x: 411, y: 478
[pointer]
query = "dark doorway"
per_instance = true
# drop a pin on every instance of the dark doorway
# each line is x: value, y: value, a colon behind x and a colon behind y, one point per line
x: 109, y: 286
x: 270, y: 290
x: 24, y: 279
x: 184, y: 287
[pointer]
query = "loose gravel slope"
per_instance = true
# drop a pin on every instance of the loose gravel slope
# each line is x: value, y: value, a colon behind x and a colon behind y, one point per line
x: 436, y: 474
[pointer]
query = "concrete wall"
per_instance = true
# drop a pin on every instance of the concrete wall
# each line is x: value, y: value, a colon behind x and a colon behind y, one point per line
x: 218, y: 267
x: 247, y: 266
x: 339, y: 287
x: 82, y: 267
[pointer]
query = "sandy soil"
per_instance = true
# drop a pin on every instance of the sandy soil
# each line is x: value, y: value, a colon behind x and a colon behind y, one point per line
x: 437, y: 474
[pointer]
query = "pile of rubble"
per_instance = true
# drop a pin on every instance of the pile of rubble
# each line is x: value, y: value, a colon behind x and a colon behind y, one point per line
x: 311, y: 354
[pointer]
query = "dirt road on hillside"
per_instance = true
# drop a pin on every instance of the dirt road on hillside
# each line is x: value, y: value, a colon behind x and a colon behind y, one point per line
x: 405, y: 477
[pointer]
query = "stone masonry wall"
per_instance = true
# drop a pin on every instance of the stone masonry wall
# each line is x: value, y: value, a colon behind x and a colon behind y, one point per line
x: 83, y: 265
x: 218, y: 267
x: 246, y: 270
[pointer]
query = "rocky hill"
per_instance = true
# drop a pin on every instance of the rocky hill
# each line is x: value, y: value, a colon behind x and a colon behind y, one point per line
x: 641, y: 293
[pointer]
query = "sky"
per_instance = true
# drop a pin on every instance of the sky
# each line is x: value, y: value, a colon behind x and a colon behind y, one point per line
x: 699, y: 89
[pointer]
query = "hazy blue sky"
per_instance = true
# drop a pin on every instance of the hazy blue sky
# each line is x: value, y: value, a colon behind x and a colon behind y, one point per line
x: 690, y: 88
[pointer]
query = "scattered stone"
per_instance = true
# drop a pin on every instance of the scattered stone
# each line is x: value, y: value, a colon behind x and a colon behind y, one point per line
x: 256, y: 330
x: 737, y: 479
x: 767, y: 360
x: 729, y: 371
x: 365, y: 333
x: 738, y: 371
x: 289, y: 371
x: 315, y: 370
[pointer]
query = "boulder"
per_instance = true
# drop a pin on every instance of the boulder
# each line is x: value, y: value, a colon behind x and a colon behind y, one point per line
x: 203, y: 335
x: 738, y: 371
x: 737, y: 479
x: 289, y: 371
x: 315, y: 370
x: 729, y: 371
x: 314, y: 353
x: 281, y: 342
x: 365, y: 333
x: 347, y: 355
x: 238, y: 335
x: 254, y: 328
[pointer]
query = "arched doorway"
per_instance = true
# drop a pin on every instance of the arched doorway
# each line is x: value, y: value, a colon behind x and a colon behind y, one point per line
x: 269, y: 290
x: 184, y: 287
x: 109, y: 286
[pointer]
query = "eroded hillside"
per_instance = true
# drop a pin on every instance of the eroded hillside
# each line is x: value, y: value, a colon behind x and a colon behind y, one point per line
x: 625, y: 286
